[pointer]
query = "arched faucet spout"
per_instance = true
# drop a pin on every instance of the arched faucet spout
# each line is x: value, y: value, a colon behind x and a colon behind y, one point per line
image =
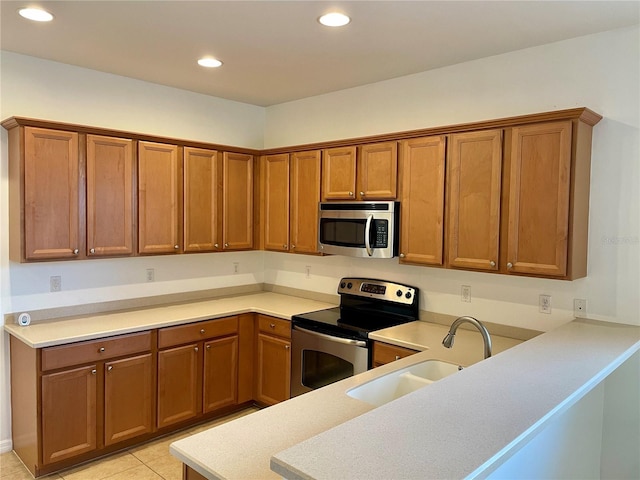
x: 447, y: 342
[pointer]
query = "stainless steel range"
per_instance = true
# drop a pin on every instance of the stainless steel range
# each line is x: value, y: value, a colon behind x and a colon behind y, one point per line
x: 333, y: 344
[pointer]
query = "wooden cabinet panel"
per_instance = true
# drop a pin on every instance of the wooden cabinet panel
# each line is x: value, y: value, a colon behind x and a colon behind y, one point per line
x: 220, y: 375
x: 159, y: 206
x: 539, y: 193
x: 68, y: 413
x: 384, y: 353
x: 110, y: 175
x: 237, y: 221
x: 128, y: 393
x: 274, y: 326
x: 193, y: 332
x: 305, y: 195
x: 422, y: 194
x: 179, y: 384
x: 276, y: 202
x: 378, y: 171
x: 51, y: 194
x: 474, y: 181
x: 339, y: 173
x: 202, y: 200
x: 273, y: 369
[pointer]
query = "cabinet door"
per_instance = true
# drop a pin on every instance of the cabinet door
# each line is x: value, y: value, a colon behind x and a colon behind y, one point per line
x: 109, y: 196
x: 422, y: 212
x: 237, y: 221
x: 274, y: 369
x: 51, y: 219
x: 202, y: 200
x: 276, y: 202
x: 305, y: 195
x: 158, y: 198
x: 179, y: 384
x: 339, y: 173
x: 220, y: 377
x: 475, y: 166
x: 68, y: 413
x: 378, y: 171
x: 539, y: 199
x: 128, y: 389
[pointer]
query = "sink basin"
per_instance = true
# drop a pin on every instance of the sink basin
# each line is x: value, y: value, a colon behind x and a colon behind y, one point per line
x: 406, y: 380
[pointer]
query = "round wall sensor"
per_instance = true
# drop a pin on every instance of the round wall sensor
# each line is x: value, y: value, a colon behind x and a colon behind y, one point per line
x: 24, y: 319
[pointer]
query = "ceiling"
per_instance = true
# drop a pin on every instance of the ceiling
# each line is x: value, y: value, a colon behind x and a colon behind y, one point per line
x: 276, y: 51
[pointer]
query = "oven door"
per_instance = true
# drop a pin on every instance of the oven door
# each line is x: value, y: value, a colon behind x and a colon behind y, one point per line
x: 318, y: 359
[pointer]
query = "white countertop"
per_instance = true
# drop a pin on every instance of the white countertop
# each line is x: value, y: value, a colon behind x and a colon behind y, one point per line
x: 59, y: 332
x: 470, y: 422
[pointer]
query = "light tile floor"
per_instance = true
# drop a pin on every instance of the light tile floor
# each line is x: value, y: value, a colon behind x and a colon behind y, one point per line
x: 151, y: 461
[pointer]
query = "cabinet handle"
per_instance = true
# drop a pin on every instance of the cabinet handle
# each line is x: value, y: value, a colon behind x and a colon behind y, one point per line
x: 76, y: 251
x: 93, y: 250
x: 397, y: 357
x: 101, y: 349
x: 208, y: 347
x: 492, y: 263
x: 272, y: 325
x: 217, y: 245
x: 176, y: 247
x: 351, y: 194
x: 202, y: 331
x: 287, y: 347
x: 109, y: 368
x: 293, y: 246
x: 94, y: 371
x: 362, y: 194
x: 284, y: 246
x: 196, y: 349
x: 226, y: 245
x: 402, y: 255
x: 509, y: 265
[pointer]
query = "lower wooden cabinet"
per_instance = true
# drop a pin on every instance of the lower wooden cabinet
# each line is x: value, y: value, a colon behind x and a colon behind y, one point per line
x: 384, y: 353
x: 273, y: 362
x: 220, y: 375
x: 179, y: 384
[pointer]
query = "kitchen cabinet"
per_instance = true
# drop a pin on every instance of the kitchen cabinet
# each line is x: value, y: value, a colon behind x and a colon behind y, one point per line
x: 237, y: 186
x: 197, y: 369
x: 71, y: 402
x: 291, y: 195
x: 273, y: 359
x: 202, y: 200
x: 384, y: 353
x: 422, y: 166
x: 368, y: 172
x: 474, y: 193
x: 110, y: 207
x: 159, y: 198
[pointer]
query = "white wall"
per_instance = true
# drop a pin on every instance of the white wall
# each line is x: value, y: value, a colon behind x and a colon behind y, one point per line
x: 598, y: 71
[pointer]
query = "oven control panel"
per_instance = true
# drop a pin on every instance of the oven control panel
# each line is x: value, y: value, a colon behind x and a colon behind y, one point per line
x: 379, y: 289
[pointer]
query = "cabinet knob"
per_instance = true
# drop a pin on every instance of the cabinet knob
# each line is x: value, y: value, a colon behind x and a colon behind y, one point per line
x: 93, y: 250
x: 217, y: 245
x: 287, y: 347
x: 208, y: 347
x: 293, y: 246
x: 509, y: 265
x: 397, y: 357
x: 196, y: 349
x: 285, y: 246
x: 76, y: 251
x: 226, y: 245
x: 362, y: 194
x: 176, y: 247
x: 492, y: 263
x: 109, y: 368
x: 94, y: 371
x: 101, y: 349
x: 351, y: 194
x: 202, y: 330
x: 402, y: 255
x: 272, y: 325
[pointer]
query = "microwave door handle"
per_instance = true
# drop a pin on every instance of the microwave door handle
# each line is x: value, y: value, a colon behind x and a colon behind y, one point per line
x: 367, y: 233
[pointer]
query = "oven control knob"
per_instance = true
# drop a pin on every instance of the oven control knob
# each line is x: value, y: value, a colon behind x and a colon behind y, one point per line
x: 407, y: 295
x: 399, y: 293
x: 349, y: 285
x: 342, y: 285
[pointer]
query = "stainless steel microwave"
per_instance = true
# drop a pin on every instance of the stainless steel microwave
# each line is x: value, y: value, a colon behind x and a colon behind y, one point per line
x: 359, y: 229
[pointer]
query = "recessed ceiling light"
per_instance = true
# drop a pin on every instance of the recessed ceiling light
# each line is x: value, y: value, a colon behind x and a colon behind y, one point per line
x: 334, y: 19
x: 209, y: 62
x: 36, y: 14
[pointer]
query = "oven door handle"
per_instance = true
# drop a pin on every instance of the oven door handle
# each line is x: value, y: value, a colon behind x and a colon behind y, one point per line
x: 367, y: 233
x: 344, y: 341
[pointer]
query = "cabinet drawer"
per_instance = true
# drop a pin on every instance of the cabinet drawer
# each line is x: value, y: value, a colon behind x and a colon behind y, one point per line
x: 385, y: 353
x: 274, y: 326
x: 95, y: 350
x: 193, y: 332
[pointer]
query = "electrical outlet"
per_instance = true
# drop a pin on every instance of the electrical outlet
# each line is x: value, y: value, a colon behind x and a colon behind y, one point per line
x: 236, y: 267
x: 55, y: 283
x: 308, y: 271
x: 544, y: 304
x: 151, y: 275
x: 465, y: 293
x: 579, y: 308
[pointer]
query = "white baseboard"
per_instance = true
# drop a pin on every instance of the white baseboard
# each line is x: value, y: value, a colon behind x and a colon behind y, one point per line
x: 6, y: 446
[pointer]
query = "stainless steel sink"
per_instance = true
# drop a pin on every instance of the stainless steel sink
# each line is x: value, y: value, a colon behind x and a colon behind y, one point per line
x: 394, y: 385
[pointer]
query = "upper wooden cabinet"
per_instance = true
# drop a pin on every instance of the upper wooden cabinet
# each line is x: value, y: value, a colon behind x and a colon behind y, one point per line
x: 368, y: 172
x: 422, y: 166
x: 159, y: 198
x: 202, y: 200
x: 237, y: 186
x: 473, y: 185
x: 110, y: 194
x: 275, y: 170
x: 540, y: 199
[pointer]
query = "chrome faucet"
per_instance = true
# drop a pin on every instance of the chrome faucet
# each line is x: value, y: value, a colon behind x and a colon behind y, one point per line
x: 447, y: 342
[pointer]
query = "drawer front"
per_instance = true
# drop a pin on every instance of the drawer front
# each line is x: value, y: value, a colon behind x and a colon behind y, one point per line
x: 274, y: 326
x: 95, y: 350
x: 193, y: 332
x: 385, y: 353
